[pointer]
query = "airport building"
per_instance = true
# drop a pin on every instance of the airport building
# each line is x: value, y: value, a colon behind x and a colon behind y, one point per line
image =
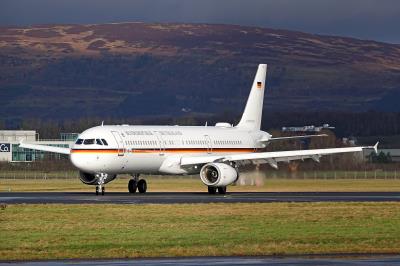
x: 11, y: 152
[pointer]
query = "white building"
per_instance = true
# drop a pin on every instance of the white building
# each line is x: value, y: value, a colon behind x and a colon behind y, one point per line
x: 11, y: 152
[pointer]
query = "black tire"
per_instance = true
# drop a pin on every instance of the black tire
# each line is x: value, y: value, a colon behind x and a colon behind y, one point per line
x: 212, y: 190
x: 222, y: 190
x: 97, y: 190
x: 132, y: 186
x: 142, y: 186
x: 103, y: 189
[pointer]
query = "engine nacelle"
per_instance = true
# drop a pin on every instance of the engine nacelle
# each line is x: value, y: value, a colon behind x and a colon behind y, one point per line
x: 91, y: 179
x: 218, y: 174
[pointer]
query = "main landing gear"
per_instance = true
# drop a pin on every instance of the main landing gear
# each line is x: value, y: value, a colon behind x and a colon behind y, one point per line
x: 213, y: 190
x: 137, y: 184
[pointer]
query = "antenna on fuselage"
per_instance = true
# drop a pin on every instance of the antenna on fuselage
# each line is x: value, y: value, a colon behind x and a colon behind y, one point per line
x: 102, y: 123
x: 206, y: 124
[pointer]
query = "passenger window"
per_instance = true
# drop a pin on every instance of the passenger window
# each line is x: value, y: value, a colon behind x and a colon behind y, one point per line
x: 79, y: 141
x: 104, y: 142
x: 98, y: 142
x: 88, y: 141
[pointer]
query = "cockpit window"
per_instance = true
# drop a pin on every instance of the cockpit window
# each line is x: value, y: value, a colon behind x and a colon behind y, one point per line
x: 98, y: 142
x: 105, y: 142
x: 79, y: 141
x: 88, y: 141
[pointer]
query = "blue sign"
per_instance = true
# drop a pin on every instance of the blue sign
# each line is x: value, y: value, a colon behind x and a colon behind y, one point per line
x: 5, y: 147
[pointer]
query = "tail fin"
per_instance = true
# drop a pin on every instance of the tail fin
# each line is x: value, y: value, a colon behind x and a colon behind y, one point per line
x: 251, y: 118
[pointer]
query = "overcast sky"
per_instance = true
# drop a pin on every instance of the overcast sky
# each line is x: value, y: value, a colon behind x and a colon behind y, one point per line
x: 365, y: 19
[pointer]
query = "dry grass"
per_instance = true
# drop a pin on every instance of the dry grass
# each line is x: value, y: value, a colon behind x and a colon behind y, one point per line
x: 185, y: 184
x: 110, y: 231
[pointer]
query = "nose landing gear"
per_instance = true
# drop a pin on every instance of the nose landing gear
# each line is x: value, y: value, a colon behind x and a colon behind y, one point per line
x: 137, y: 184
x: 100, y: 189
x: 101, y: 178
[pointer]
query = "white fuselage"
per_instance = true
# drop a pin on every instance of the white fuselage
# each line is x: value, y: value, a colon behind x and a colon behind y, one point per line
x: 157, y: 149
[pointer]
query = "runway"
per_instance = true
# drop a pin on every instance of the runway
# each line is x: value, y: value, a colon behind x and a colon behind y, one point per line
x: 197, y: 261
x: 192, y: 197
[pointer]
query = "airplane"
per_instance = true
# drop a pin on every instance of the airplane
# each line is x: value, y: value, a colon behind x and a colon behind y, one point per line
x: 215, y: 153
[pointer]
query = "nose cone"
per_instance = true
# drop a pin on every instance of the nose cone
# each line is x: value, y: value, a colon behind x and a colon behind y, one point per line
x: 80, y: 162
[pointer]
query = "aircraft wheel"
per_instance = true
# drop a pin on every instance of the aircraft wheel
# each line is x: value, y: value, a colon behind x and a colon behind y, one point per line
x: 103, y: 189
x: 132, y: 186
x: 212, y: 190
x: 97, y: 190
x: 222, y: 190
x: 142, y: 186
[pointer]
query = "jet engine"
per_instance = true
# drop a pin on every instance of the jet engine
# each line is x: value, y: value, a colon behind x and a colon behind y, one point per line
x: 91, y: 179
x: 218, y: 174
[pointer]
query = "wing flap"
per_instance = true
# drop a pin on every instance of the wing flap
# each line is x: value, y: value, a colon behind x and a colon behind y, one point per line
x: 45, y: 148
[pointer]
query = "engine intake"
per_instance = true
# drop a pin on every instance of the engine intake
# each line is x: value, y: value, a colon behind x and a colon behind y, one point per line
x: 88, y: 179
x: 218, y: 174
x: 91, y: 179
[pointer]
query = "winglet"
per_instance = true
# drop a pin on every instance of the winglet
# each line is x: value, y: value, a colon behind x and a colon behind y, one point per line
x: 375, y: 147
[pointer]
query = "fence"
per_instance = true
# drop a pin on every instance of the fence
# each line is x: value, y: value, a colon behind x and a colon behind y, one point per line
x: 368, y: 174
x: 38, y: 175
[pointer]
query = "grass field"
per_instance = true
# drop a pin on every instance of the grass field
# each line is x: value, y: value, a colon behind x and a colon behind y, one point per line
x: 185, y: 184
x: 119, y: 231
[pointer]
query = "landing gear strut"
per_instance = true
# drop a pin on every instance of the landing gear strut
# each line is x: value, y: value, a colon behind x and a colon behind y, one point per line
x: 100, y: 189
x: 101, y: 178
x: 137, y: 184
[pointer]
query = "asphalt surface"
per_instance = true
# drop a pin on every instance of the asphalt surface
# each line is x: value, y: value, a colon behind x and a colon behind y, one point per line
x: 193, y: 197
x: 370, y: 260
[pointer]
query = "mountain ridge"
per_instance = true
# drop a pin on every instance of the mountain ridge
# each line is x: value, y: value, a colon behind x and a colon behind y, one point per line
x: 207, y: 68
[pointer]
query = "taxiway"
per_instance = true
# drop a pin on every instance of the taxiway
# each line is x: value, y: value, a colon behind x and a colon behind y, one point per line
x: 197, y: 261
x: 193, y: 197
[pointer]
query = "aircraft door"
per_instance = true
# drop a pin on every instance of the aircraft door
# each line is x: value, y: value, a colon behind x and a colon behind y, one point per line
x: 208, y: 143
x: 161, y: 143
x: 120, y: 143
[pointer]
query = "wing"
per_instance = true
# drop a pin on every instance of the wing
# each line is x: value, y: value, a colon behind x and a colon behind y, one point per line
x: 271, y: 158
x: 45, y: 148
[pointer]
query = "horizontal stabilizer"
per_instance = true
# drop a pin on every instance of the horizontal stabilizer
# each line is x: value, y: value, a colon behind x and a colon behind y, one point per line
x: 293, y: 137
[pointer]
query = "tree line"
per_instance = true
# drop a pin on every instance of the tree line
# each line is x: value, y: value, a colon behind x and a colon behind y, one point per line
x: 346, y: 124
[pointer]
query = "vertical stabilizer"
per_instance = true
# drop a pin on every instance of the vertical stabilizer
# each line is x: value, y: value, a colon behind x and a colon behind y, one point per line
x: 251, y: 118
